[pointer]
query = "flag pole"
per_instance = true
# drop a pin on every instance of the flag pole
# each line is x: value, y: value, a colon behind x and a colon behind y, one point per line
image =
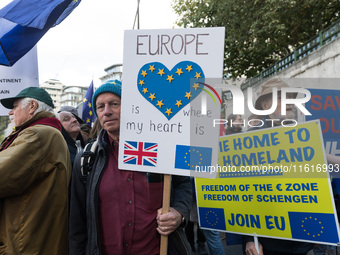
x: 165, y: 209
x: 136, y: 16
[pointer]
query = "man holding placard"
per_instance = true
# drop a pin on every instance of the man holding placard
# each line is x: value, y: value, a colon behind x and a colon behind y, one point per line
x: 268, y: 246
x: 116, y: 211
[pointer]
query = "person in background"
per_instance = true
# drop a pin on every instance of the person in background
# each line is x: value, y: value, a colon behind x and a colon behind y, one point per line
x: 190, y: 233
x: 117, y: 211
x: 85, y: 131
x: 253, y: 120
x: 95, y: 129
x: 35, y: 170
x: 234, y: 124
x: 71, y: 130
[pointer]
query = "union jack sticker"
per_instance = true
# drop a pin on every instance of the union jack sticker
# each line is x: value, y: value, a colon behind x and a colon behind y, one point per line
x: 140, y: 153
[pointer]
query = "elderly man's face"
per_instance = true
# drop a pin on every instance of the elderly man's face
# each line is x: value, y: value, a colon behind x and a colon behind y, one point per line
x: 108, y: 111
x: 267, y: 103
x: 20, y: 115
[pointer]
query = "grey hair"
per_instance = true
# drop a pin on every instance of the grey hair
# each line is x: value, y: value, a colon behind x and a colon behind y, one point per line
x: 57, y: 115
x: 41, y: 105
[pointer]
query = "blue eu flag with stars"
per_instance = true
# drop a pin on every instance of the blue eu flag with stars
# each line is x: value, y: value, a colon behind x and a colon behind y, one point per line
x: 88, y: 115
x: 212, y: 218
x: 192, y: 157
x: 318, y: 227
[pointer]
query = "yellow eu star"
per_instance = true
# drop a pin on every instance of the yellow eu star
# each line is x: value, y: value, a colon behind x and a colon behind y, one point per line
x: 179, y: 103
x: 161, y: 72
x: 152, y: 68
x: 168, y: 111
x: 179, y: 71
x: 144, y: 73
x: 152, y: 96
x: 160, y: 103
x: 188, y: 95
x: 170, y: 78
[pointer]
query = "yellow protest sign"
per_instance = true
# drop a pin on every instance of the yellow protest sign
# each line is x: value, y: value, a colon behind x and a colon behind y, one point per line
x: 273, y: 182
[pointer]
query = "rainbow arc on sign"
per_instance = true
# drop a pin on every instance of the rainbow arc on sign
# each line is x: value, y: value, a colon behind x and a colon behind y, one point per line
x: 209, y: 93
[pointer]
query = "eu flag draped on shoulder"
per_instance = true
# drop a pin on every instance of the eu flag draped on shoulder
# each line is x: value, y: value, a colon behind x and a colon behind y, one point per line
x: 88, y: 115
x: 23, y: 23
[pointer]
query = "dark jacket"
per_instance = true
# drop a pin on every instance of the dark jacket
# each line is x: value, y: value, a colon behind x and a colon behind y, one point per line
x: 83, y: 220
x: 278, y: 245
x: 71, y: 144
x: 232, y: 130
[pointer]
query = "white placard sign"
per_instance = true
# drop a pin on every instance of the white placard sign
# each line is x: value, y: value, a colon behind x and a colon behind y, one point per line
x: 13, y: 79
x: 169, y: 102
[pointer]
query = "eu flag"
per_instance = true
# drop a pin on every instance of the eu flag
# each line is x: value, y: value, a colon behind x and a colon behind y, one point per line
x: 212, y: 218
x: 192, y: 157
x: 88, y: 115
x: 23, y: 23
x: 318, y: 227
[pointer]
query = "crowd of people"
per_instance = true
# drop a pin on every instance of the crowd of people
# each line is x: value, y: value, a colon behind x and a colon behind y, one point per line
x: 52, y: 203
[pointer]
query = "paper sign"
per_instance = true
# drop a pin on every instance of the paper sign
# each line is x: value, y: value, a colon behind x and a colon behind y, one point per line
x: 274, y: 183
x: 168, y: 101
x: 22, y: 74
x: 325, y: 105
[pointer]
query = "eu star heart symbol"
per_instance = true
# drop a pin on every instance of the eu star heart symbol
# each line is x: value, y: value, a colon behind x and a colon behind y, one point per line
x: 170, y: 90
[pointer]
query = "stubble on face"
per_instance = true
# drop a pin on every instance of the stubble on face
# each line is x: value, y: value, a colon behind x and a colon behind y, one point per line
x: 108, y: 111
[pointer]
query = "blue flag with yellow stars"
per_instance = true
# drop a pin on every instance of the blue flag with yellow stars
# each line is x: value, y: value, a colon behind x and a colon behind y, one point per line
x: 212, y: 218
x: 88, y: 115
x: 319, y: 227
x: 193, y: 157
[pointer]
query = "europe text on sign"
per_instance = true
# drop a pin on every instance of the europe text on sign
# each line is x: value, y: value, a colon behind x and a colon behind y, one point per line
x: 164, y: 128
x: 273, y: 183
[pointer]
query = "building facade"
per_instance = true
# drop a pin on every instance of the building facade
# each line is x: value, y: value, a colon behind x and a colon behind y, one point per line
x: 113, y: 72
x: 55, y: 89
x: 73, y: 95
x: 63, y: 95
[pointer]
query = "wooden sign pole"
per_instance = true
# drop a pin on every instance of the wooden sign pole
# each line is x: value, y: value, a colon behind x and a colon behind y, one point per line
x: 166, y: 208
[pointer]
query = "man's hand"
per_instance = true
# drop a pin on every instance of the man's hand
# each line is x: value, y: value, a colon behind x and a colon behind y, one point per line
x: 168, y: 222
x: 251, y: 249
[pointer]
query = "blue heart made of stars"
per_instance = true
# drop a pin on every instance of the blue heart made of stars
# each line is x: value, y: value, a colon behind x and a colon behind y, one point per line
x: 170, y: 90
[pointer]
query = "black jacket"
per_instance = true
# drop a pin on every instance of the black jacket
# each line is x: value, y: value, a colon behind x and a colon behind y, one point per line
x: 71, y: 144
x: 83, y: 218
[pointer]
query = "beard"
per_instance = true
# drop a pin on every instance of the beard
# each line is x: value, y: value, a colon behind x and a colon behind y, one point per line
x: 10, y: 128
x: 236, y: 129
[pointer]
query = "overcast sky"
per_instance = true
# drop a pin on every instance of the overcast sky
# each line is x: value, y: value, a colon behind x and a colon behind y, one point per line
x: 90, y: 39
